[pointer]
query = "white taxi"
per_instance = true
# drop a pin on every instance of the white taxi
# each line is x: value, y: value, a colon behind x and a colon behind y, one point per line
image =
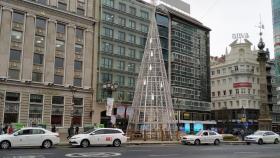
x: 261, y: 137
x: 31, y: 136
x: 203, y: 137
x: 99, y: 136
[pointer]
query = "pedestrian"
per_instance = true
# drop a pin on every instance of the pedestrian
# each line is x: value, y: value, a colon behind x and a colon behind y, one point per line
x: 5, y: 129
x: 242, y: 133
x: 77, y: 130
x: 1, y: 130
x: 70, y: 132
x: 10, y: 130
x: 53, y: 129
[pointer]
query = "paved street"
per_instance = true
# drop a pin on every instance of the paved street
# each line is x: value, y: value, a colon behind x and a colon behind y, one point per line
x: 153, y: 151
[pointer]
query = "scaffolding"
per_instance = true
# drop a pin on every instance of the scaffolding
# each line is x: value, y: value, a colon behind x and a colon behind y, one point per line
x: 153, y: 115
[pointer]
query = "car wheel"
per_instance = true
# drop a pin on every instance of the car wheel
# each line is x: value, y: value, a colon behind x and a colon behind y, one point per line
x: 248, y: 143
x: 85, y: 143
x: 260, y: 142
x: 197, y: 142
x: 116, y: 143
x: 47, y: 144
x: 216, y: 142
x: 5, y: 145
x: 276, y: 141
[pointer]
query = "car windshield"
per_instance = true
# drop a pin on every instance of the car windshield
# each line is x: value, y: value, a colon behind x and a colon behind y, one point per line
x: 89, y: 131
x: 199, y: 133
x: 258, y: 133
x: 16, y: 131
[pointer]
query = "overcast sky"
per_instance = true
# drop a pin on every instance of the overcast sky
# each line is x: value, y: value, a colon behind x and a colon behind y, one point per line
x: 226, y: 17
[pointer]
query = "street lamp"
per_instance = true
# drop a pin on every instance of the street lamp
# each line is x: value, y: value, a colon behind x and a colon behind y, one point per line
x: 110, y: 87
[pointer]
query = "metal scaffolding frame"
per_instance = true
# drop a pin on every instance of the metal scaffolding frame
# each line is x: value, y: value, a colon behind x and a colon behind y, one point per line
x: 153, y: 115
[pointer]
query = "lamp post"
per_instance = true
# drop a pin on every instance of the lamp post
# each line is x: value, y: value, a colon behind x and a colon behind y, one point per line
x: 110, y: 87
x: 178, y: 117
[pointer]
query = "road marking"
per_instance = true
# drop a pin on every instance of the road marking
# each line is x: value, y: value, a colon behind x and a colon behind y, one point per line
x: 246, y: 152
x: 94, y: 154
x: 167, y: 155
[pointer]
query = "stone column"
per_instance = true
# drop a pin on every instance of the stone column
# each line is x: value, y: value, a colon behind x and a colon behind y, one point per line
x: 24, y: 108
x: 70, y: 54
x: 50, y: 51
x: 5, y: 38
x: 28, y: 47
x: 88, y: 59
x: 53, y: 3
x: 47, y: 109
x: 2, y: 105
x: 73, y: 5
x: 67, y: 111
x: 90, y: 7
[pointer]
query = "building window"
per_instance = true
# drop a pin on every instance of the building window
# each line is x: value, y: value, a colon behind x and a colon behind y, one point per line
x: 120, y: 65
x: 77, y: 112
x: 77, y: 82
x: 132, y: 24
x: 120, y: 80
x: 144, y: 14
x: 57, y: 111
x: 16, y: 35
x: 62, y: 6
x: 212, y: 72
x: 131, y: 81
x: 108, y: 32
x: 79, y: 33
x: 35, y: 109
x: 131, y: 53
x: 108, y: 17
x: 109, y: 3
x: 107, y: 47
x: 225, y: 92
x: 121, y: 35
x: 60, y: 45
x: 144, y: 28
x: 60, y: 28
x: 132, y: 10
x: 242, y: 91
x: 230, y: 92
x: 80, y: 11
x: 131, y: 67
x: 11, y: 111
x: 219, y: 93
x: 131, y: 38
x: 42, y: 2
x: 40, y: 41
x: 58, y: 79
x: 162, y: 20
x: 79, y: 49
x: 236, y: 91
x: 38, y: 59
x: 121, y: 50
x: 106, y: 77
x: 18, y: 17
x: 130, y: 95
x: 59, y: 63
x: 143, y: 42
x: 78, y: 65
x: 106, y: 63
x: 122, y: 21
x: 213, y: 94
x: 13, y: 74
x: 37, y: 77
x: 15, y: 55
x: 122, y: 7
x: 41, y: 23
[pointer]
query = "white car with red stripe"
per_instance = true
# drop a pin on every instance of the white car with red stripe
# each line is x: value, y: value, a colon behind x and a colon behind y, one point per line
x: 203, y: 137
x: 99, y: 136
x: 30, y: 136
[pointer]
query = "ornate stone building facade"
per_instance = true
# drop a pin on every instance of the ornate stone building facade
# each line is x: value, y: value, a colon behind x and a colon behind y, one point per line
x: 47, y: 56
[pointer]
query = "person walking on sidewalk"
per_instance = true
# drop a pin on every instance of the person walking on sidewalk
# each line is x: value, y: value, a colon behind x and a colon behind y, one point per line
x: 242, y: 133
x: 53, y: 129
x: 10, y: 130
x: 77, y: 130
x: 70, y: 132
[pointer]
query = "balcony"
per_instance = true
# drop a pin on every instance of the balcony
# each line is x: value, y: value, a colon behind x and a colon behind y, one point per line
x: 242, y: 71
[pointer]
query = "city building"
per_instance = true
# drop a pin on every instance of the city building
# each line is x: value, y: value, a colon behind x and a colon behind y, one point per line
x: 47, y: 59
x: 276, y: 32
x: 235, y: 87
x: 123, y: 30
x: 185, y: 48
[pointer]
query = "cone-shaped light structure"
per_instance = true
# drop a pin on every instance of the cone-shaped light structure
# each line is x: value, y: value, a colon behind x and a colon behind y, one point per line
x: 153, y: 116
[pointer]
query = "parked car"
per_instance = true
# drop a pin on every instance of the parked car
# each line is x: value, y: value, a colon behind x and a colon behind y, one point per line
x: 203, y: 137
x: 100, y: 136
x: 31, y: 136
x: 261, y: 137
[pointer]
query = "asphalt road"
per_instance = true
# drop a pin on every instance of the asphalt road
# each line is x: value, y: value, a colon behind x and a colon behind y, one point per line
x: 150, y: 151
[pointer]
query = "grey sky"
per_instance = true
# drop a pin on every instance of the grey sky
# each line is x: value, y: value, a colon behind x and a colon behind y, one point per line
x: 226, y: 17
